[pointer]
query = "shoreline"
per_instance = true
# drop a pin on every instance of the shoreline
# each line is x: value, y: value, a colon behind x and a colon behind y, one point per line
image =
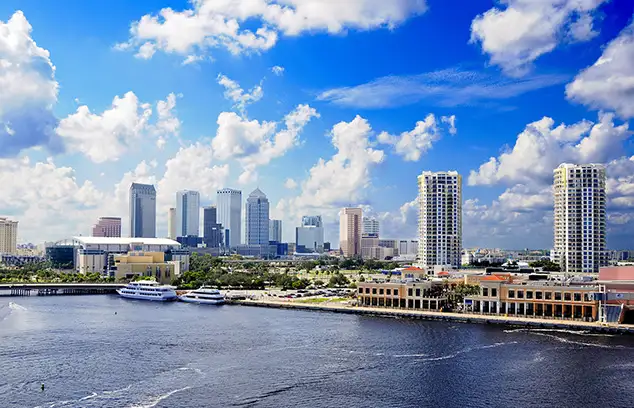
x: 514, y: 321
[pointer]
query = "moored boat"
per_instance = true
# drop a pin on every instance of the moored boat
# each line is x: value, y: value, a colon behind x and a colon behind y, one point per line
x: 148, y: 290
x: 203, y: 295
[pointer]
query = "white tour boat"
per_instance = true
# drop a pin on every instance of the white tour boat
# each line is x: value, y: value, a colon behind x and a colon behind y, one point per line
x: 204, y: 295
x: 148, y: 290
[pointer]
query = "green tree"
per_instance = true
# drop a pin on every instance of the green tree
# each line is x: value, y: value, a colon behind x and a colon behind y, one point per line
x: 546, y: 265
x: 462, y: 290
x: 338, y: 280
x: 347, y: 264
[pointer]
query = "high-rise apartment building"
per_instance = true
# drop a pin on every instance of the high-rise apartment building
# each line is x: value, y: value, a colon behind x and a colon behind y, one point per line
x: 187, y: 213
x: 142, y: 211
x: 171, y: 223
x: 107, y: 227
x: 370, y: 227
x: 212, y: 231
x: 275, y: 230
x: 440, y: 218
x: 229, y: 206
x: 350, y: 228
x: 8, y: 236
x: 257, y: 222
x: 580, y: 216
x: 310, y: 235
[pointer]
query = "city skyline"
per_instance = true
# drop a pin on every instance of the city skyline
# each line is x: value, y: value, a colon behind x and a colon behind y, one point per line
x: 376, y: 101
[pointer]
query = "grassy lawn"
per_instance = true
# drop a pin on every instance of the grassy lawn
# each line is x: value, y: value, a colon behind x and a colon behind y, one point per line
x: 320, y: 300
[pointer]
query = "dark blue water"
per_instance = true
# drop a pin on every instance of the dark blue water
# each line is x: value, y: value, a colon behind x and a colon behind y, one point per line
x: 183, y: 355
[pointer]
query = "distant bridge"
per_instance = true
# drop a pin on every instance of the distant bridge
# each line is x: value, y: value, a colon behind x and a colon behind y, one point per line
x: 52, y: 289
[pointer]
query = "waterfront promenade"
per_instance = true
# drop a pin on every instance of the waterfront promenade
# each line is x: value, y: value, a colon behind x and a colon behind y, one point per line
x: 528, y: 322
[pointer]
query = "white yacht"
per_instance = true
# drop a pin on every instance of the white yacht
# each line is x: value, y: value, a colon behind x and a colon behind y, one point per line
x: 148, y: 290
x: 204, y: 295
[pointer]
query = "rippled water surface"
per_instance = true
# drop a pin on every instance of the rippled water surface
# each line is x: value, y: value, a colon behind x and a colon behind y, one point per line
x: 102, y: 351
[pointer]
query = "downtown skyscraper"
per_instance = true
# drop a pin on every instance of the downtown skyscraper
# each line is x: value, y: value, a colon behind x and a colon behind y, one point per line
x: 187, y: 213
x: 212, y: 230
x: 257, y: 222
x: 142, y: 211
x: 350, y: 229
x: 229, y: 214
x: 370, y: 227
x: 275, y: 230
x: 440, y: 218
x: 310, y: 235
x: 580, y: 217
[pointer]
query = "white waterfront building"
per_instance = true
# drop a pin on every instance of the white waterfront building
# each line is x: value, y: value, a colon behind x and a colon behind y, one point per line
x: 440, y: 219
x: 257, y: 222
x: 187, y: 213
x: 95, y: 254
x: 580, y: 217
x: 229, y: 214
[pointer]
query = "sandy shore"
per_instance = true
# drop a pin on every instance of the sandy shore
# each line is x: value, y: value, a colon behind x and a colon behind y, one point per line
x: 458, y: 317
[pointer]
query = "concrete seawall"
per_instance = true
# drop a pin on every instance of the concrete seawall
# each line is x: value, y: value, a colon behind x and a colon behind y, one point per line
x: 515, y: 321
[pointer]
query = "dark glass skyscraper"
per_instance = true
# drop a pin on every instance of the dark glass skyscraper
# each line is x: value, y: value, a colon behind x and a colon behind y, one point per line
x: 142, y: 210
x: 212, y: 231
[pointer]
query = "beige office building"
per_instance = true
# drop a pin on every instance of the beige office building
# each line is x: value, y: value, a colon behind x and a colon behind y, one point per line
x: 171, y: 223
x: 8, y: 236
x: 148, y: 264
x: 440, y: 218
x: 580, y: 216
x: 350, y: 226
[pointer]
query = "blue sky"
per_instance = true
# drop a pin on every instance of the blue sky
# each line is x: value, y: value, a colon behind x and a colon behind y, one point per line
x: 498, y: 78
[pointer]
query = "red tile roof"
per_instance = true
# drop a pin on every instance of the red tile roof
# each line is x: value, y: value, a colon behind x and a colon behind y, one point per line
x: 412, y: 268
x: 494, y: 278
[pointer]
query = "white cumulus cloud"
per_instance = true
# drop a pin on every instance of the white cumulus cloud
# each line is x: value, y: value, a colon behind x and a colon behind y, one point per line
x: 43, y: 193
x: 253, y: 143
x: 290, y: 183
x: 277, y: 70
x: 238, y: 96
x: 106, y: 136
x: 413, y: 144
x: 214, y: 24
x: 28, y: 90
x: 541, y: 147
x: 609, y: 83
x: 515, y: 35
x: 340, y: 181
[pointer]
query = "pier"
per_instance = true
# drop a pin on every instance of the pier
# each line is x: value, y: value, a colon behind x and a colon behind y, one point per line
x: 58, y: 289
